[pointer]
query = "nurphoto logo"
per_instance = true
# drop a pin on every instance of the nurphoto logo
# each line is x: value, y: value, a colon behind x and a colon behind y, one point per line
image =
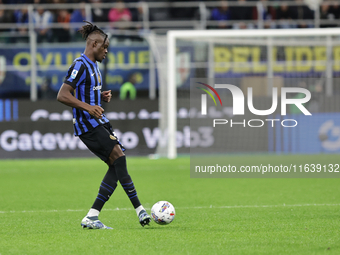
x: 238, y: 104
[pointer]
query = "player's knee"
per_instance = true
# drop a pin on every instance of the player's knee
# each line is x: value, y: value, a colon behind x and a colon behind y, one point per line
x: 116, y: 153
x: 125, y: 179
x: 110, y: 161
x: 121, y: 169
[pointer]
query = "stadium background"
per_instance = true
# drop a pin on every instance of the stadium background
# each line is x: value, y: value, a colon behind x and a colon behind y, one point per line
x: 39, y: 42
x: 43, y: 199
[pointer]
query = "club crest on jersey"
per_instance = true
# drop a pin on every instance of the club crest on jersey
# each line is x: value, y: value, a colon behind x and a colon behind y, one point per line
x: 112, y: 137
x: 74, y: 73
x: 99, y: 78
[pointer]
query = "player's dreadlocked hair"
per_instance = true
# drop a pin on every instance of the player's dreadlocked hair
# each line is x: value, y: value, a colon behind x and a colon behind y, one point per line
x: 86, y: 30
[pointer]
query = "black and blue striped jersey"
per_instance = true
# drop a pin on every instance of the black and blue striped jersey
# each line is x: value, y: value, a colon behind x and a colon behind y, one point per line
x: 84, y: 76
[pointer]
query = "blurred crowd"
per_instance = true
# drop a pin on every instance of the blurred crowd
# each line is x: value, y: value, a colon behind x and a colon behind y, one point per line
x: 64, y: 32
x: 297, y: 15
x: 237, y: 15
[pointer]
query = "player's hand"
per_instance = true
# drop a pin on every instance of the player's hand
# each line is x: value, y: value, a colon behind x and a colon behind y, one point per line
x: 96, y: 111
x: 106, y: 96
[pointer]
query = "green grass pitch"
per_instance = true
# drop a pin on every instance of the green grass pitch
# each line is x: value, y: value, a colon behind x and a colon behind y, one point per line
x: 43, y: 201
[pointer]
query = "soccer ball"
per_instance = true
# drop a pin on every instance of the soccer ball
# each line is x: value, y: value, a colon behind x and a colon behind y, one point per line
x: 163, y: 212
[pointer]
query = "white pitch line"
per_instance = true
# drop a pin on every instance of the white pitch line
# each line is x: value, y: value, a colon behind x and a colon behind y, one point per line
x: 194, y: 207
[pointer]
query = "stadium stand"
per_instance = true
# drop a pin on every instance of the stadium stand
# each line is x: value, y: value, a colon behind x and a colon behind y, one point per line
x: 162, y: 16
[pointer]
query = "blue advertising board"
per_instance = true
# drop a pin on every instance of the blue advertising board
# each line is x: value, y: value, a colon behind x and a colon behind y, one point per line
x: 53, y: 63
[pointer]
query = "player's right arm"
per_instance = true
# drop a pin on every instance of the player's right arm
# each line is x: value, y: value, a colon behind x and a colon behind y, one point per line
x: 76, y: 75
x: 65, y: 96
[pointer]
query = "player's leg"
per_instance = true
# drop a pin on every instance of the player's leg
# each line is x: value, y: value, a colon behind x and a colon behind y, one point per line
x: 118, y: 160
x: 99, y: 142
x: 106, y: 189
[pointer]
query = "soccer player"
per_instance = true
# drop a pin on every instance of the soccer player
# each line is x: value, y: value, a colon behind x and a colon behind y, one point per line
x: 82, y: 91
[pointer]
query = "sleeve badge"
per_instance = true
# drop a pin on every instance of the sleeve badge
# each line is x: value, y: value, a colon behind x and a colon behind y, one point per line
x: 74, y: 73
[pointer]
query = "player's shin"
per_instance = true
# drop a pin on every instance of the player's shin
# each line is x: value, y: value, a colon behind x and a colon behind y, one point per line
x: 107, y: 187
x: 126, y: 181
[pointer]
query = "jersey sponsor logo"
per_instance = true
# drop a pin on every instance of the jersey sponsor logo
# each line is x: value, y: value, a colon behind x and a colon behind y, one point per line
x: 97, y: 87
x: 74, y: 73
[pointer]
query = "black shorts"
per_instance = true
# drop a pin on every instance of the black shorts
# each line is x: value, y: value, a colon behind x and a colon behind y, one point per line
x: 101, y: 141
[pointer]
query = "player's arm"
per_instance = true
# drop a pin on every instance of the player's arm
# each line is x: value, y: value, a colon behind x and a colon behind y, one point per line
x: 66, y: 97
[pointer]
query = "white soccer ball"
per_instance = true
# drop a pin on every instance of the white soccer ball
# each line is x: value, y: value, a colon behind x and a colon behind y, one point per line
x: 163, y: 212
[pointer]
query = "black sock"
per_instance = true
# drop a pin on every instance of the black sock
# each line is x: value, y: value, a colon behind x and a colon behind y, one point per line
x: 130, y: 190
x: 107, y: 187
x: 125, y: 179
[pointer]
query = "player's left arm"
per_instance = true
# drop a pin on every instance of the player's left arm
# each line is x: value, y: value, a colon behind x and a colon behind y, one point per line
x: 106, y: 96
